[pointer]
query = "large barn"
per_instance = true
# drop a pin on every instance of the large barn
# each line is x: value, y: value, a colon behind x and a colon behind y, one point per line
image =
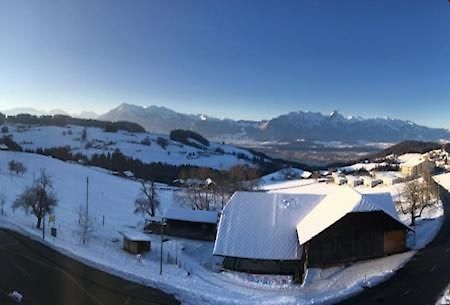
x: 347, y: 226
x: 257, y: 232
x: 280, y: 233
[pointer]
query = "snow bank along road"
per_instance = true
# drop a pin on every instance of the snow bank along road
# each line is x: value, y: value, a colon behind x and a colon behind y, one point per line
x: 423, y: 279
x: 44, y: 276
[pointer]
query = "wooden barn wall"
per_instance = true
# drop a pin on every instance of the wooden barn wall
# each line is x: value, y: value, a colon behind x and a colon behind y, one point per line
x: 193, y: 230
x: 286, y: 267
x: 356, y: 236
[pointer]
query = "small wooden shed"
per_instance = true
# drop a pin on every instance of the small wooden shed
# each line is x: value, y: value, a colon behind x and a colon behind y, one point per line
x: 193, y: 224
x: 136, y: 242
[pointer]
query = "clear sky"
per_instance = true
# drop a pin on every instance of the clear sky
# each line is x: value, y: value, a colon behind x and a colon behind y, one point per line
x: 238, y: 59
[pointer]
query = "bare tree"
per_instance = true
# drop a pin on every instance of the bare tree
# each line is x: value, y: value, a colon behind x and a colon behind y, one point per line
x: 416, y: 198
x: 38, y: 199
x: 86, y: 224
x: 147, y: 201
x: 84, y: 134
x: 431, y: 187
x: 17, y: 167
x: 196, y: 196
x: 203, y: 193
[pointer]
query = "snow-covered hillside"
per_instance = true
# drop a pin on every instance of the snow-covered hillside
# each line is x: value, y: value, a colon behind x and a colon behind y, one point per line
x: 284, y: 174
x: 190, y: 271
x: 143, y: 146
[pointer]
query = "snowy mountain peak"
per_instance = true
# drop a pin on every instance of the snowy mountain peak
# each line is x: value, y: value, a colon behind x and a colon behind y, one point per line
x: 333, y: 114
x: 286, y: 127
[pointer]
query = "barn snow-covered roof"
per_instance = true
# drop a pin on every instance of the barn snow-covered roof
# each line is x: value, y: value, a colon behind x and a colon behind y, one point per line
x: 176, y: 213
x: 262, y: 225
x: 338, y: 204
x: 273, y: 226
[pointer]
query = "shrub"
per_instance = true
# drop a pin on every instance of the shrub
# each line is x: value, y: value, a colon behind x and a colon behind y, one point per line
x: 162, y: 142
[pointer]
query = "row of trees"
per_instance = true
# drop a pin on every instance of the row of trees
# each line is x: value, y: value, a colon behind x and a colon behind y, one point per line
x: 203, y: 189
x: 418, y: 195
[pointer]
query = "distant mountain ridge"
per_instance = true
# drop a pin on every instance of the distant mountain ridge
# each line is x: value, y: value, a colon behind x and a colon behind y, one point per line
x: 294, y: 126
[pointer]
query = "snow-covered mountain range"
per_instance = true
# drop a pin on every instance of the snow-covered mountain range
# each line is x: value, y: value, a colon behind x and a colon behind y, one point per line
x: 312, y: 126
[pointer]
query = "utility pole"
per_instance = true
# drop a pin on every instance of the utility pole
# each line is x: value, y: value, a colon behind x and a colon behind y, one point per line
x: 87, y: 197
x: 40, y: 203
x: 161, y: 248
x: 43, y: 227
x: 86, y: 219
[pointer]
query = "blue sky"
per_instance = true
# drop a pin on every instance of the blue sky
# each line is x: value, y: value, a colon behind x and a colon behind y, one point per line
x: 238, y: 59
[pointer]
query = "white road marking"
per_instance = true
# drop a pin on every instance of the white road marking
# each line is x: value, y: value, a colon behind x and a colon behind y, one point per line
x: 433, y: 268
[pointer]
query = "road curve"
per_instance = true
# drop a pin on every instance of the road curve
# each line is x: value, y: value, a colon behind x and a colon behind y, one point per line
x: 422, y: 279
x: 44, y: 276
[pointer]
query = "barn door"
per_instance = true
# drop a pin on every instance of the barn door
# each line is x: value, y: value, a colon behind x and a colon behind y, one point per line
x: 394, y: 241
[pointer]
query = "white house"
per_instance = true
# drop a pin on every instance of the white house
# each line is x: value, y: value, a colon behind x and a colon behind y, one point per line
x: 371, y: 182
x: 354, y: 181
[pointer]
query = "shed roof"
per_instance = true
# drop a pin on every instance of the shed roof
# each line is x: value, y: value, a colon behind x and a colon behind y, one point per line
x: 262, y: 225
x: 183, y: 214
x: 136, y: 236
x: 338, y: 204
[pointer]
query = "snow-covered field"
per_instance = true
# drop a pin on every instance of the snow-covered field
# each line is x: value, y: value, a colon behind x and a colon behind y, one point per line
x: 129, y: 144
x: 190, y: 272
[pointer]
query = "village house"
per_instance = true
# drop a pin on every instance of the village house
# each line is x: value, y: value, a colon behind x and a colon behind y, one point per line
x: 354, y: 181
x: 389, y: 178
x: 284, y: 233
x: 371, y: 181
x: 339, y: 178
x: 413, y: 165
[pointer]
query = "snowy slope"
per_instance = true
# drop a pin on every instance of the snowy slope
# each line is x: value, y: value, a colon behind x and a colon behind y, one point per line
x: 284, y: 174
x: 129, y: 144
x: 190, y: 271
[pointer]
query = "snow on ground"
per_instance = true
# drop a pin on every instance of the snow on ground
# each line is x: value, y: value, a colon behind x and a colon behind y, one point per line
x: 359, y: 166
x: 190, y: 272
x: 35, y: 137
x: 283, y: 175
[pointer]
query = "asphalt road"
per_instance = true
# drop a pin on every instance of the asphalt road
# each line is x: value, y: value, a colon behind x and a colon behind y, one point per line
x: 421, y: 280
x: 46, y: 277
